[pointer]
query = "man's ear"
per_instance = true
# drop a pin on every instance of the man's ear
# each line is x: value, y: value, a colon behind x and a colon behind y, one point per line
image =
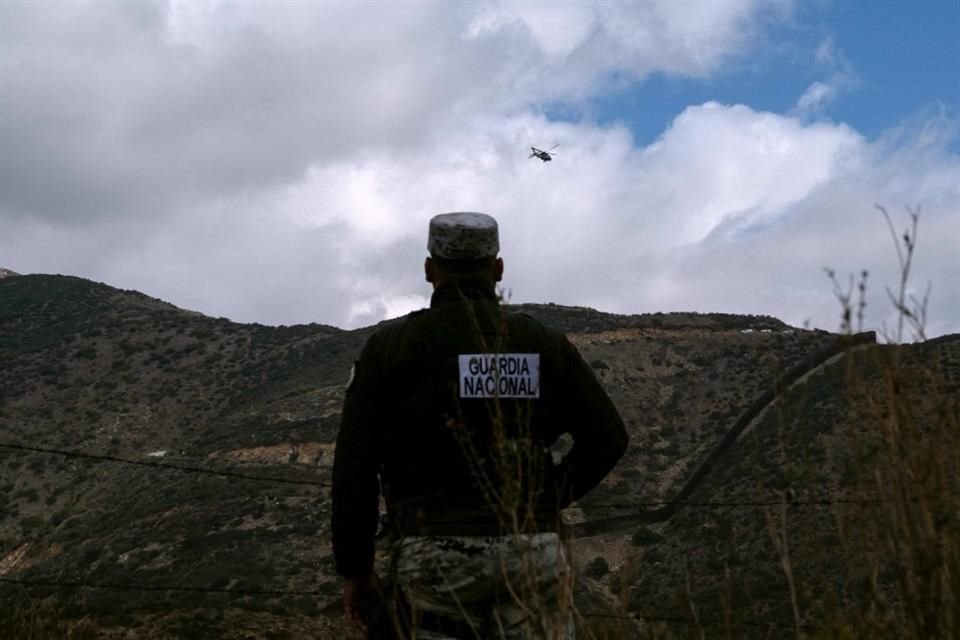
x: 498, y: 270
x: 428, y: 269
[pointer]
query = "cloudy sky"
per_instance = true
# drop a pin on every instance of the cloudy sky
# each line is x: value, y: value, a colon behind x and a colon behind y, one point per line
x: 278, y: 162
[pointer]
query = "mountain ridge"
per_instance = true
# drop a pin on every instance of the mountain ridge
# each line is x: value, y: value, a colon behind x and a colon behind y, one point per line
x: 90, y: 369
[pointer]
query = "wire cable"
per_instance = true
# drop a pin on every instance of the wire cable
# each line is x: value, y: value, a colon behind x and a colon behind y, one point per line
x: 162, y: 465
x: 133, y: 587
x: 818, y: 502
x: 645, y: 507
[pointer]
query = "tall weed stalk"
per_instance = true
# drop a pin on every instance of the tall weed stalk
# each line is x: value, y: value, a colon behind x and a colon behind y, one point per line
x: 909, y: 533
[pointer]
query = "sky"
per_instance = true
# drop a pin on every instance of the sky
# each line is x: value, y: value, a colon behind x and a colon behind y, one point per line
x: 278, y: 161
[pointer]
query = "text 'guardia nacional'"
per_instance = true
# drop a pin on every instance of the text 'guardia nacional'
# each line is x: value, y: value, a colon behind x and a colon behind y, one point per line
x: 499, y: 375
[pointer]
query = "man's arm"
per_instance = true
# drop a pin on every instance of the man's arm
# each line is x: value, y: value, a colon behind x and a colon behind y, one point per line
x: 356, y: 465
x: 599, y: 436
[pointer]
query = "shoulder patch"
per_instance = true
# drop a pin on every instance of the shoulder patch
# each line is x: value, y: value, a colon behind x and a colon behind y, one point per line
x: 353, y: 375
x: 499, y: 375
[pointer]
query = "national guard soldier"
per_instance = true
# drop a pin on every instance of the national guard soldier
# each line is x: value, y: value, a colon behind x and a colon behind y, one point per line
x: 451, y: 413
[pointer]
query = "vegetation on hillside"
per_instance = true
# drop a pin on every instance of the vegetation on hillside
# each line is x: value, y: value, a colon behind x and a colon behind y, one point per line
x: 166, y: 474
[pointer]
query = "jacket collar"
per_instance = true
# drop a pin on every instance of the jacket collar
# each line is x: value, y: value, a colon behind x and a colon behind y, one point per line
x: 478, y: 290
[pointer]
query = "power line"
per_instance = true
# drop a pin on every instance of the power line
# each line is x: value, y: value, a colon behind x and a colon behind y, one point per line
x: 650, y: 506
x: 133, y: 587
x: 818, y: 502
x: 162, y: 465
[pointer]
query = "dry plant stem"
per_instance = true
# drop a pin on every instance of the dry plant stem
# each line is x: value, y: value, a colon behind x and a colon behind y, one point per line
x: 845, y: 298
x: 916, y: 314
x: 779, y: 539
x: 521, y: 599
x: 911, y: 537
x: 690, y: 602
x: 725, y: 601
x: 511, y: 487
x: 916, y: 478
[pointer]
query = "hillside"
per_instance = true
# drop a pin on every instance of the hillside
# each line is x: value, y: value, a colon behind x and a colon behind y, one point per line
x: 848, y: 483
x: 196, y: 501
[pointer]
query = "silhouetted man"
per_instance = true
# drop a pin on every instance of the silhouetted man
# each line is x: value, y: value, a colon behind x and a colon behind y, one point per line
x: 451, y: 412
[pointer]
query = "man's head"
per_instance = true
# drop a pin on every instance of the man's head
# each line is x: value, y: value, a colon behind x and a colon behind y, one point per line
x: 463, y: 245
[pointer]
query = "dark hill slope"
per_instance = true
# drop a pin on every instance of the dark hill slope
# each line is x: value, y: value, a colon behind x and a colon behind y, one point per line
x: 120, y: 376
x: 842, y: 501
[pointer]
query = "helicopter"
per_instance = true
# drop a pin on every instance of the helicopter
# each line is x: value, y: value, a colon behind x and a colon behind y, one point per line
x: 546, y: 156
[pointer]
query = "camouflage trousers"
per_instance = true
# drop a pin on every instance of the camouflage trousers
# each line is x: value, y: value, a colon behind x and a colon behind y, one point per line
x: 510, y: 587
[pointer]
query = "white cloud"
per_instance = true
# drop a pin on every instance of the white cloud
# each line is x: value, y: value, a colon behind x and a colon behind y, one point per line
x: 281, y: 165
x: 778, y: 268
x: 839, y: 77
x: 826, y: 52
x: 815, y: 98
x: 725, y: 167
x: 595, y: 38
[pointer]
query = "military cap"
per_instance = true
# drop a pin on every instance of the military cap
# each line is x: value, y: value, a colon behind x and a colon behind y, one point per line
x: 464, y: 235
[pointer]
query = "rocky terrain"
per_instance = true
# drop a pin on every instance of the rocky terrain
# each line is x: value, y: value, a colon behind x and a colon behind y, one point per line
x: 166, y: 475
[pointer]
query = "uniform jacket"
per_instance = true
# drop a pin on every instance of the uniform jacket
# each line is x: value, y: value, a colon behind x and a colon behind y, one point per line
x: 416, y: 426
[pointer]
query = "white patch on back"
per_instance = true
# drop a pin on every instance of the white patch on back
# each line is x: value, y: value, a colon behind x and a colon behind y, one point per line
x: 499, y: 375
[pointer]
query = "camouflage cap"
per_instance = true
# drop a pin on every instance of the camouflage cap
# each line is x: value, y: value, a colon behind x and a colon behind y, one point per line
x: 463, y: 235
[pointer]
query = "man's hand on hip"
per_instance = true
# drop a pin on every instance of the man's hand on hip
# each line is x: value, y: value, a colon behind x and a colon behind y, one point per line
x: 361, y: 598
